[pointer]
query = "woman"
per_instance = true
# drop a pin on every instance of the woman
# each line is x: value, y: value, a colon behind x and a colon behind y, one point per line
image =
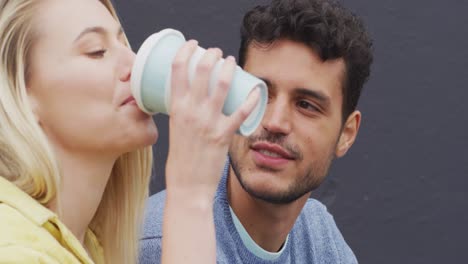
x: 75, y: 150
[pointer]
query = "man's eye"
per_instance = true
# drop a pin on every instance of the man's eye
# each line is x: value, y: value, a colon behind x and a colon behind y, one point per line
x: 307, y: 106
x: 97, y: 54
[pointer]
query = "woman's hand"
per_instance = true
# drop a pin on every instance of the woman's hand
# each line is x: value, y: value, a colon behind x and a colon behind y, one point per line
x: 199, y: 133
x: 199, y: 136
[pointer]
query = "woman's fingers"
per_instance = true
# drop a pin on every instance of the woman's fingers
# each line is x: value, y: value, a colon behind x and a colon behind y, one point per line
x: 241, y: 114
x: 179, y: 76
x: 200, y: 85
x: 196, y: 94
x: 224, y: 83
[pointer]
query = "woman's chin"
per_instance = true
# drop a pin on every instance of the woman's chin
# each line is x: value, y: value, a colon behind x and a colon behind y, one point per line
x: 152, y: 139
x: 148, y: 139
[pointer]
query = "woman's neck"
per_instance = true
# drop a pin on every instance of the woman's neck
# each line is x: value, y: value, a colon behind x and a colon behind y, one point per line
x: 83, y: 181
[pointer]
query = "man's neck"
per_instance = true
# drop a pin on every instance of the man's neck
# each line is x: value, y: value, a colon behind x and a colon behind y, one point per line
x: 267, y: 224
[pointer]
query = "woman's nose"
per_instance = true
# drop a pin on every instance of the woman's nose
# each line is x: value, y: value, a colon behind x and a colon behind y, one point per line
x: 128, y: 60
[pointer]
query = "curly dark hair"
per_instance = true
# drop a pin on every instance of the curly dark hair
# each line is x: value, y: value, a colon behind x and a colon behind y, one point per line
x: 325, y: 26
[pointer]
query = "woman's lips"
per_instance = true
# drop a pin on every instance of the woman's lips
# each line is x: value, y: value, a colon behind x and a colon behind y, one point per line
x: 129, y: 100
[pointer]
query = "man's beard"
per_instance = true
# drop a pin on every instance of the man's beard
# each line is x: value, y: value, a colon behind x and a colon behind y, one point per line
x: 302, y: 183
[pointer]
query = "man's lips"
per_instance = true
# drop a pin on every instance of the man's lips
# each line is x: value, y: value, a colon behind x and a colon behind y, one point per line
x: 273, y: 151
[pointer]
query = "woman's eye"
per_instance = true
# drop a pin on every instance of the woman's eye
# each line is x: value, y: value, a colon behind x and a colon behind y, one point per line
x: 97, y: 54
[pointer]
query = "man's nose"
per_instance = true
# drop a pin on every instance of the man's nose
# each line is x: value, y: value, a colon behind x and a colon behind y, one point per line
x: 277, y: 117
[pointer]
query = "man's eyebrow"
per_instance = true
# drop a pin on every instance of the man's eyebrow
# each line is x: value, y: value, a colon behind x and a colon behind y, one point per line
x: 98, y: 30
x: 314, y: 93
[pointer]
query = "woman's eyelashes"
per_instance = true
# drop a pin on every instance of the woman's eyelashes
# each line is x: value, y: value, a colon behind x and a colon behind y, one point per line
x: 97, y: 54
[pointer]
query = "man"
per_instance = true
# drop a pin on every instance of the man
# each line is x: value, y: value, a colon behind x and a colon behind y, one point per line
x: 315, y: 57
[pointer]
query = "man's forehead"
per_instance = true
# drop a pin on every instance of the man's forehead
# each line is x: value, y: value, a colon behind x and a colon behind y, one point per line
x: 294, y: 67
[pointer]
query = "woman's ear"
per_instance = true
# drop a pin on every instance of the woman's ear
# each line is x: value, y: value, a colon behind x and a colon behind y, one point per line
x: 34, y: 105
x: 348, y: 134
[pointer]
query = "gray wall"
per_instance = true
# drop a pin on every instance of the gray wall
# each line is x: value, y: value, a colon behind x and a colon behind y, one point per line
x: 399, y: 196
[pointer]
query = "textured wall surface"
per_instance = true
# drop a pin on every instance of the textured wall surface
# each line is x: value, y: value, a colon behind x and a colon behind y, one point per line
x: 399, y: 196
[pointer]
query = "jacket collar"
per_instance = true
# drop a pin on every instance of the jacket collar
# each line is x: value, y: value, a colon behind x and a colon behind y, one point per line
x: 25, y: 204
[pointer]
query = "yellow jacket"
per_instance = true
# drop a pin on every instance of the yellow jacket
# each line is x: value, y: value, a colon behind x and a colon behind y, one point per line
x: 30, y: 233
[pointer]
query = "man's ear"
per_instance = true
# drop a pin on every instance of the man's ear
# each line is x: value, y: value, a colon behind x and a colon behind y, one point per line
x: 348, y: 134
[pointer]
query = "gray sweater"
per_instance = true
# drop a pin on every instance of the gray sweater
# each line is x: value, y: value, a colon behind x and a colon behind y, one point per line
x: 314, y: 237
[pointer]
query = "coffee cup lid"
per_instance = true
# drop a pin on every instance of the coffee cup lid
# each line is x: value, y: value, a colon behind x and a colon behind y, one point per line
x: 140, y: 62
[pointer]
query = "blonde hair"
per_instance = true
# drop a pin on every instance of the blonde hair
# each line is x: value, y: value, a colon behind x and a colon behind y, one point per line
x: 27, y: 158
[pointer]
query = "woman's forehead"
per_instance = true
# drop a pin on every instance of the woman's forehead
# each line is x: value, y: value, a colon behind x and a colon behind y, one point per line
x: 68, y: 18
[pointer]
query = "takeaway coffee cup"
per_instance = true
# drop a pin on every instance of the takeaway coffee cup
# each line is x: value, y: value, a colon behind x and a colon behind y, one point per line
x: 151, y: 79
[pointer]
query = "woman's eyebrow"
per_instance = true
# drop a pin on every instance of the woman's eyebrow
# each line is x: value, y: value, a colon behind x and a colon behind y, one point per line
x: 98, y: 30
